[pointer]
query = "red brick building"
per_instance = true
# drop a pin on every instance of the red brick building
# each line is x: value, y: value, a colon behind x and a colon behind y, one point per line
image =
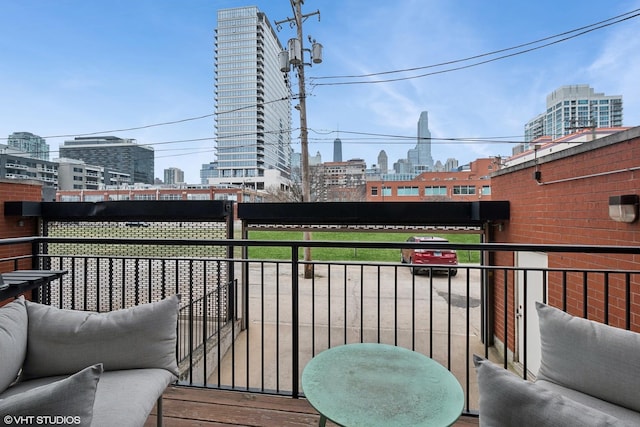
x: 466, y: 184
x: 563, y: 198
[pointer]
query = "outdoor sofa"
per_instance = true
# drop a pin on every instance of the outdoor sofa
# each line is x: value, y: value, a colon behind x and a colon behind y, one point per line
x: 67, y: 367
x: 589, y: 376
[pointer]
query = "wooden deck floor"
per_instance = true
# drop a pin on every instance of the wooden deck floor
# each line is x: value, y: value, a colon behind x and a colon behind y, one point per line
x: 185, y: 406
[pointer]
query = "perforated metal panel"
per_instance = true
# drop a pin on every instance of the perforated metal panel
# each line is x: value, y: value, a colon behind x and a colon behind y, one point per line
x: 106, y: 275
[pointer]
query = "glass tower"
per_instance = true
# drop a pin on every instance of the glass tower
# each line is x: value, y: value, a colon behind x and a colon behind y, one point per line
x: 337, y: 150
x: 420, y: 156
x: 253, y: 114
x: 34, y: 145
x: 572, y: 108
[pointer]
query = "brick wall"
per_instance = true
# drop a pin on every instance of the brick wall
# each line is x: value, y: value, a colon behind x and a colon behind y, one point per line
x: 570, y: 206
x: 17, y: 226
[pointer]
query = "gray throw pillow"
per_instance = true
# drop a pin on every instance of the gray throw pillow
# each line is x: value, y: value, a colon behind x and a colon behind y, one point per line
x: 507, y: 400
x: 590, y: 357
x: 13, y: 341
x: 65, y: 402
x: 61, y: 342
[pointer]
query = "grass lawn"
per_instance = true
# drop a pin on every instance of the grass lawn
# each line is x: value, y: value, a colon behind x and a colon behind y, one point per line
x: 276, y: 253
x: 351, y: 254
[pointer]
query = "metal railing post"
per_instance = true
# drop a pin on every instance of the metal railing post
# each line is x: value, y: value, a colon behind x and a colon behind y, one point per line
x: 295, y: 343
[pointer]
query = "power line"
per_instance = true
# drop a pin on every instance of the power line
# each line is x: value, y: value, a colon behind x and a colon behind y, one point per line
x: 367, y: 138
x: 413, y: 139
x: 480, y: 55
x: 583, y: 30
x: 164, y: 123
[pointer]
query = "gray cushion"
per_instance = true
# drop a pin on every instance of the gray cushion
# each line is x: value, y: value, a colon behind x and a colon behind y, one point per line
x: 507, y: 400
x: 13, y: 341
x: 68, y: 401
x: 625, y: 415
x: 589, y: 357
x: 125, y: 398
x: 64, y: 341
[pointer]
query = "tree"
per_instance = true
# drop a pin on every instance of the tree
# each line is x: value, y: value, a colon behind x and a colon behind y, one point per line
x: 292, y: 194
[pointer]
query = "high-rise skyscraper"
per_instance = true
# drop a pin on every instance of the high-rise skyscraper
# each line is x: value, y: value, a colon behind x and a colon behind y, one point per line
x: 34, y: 145
x: 572, y: 108
x: 420, y: 156
x: 383, y: 161
x: 253, y: 111
x: 337, y: 150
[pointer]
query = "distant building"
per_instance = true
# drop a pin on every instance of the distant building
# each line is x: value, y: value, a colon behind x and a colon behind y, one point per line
x: 403, y: 167
x: 75, y: 174
x: 315, y: 160
x: 573, y: 108
x: 383, y: 162
x: 18, y: 165
x: 208, y: 171
x: 253, y: 111
x: 451, y: 164
x: 339, y: 181
x: 467, y: 183
x: 337, y: 150
x: 173, y: 176
x: 420, y: 156
x: 34, y: 145
x: 296, y: 165
x: 113, y: 153
x: 545, y: 145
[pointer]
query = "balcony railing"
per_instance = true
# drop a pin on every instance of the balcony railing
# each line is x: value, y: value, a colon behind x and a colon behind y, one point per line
x: 253, y: 324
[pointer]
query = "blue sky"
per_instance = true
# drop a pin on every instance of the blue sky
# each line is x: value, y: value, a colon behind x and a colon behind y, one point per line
x: 70, y: 67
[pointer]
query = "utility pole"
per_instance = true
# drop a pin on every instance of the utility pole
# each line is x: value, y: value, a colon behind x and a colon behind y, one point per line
x: 295, y: 57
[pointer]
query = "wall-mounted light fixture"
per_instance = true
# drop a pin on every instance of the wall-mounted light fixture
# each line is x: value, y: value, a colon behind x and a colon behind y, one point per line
x: 537, y: 175
x: 623, y: 208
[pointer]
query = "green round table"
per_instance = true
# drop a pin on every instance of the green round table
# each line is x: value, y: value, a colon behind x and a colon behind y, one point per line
x: 381, y: 385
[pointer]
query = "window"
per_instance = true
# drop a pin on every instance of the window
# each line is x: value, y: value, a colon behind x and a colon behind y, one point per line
x: 171, y: 196
x: 486, y: 190
x: 192, y: 196
x: 224, y: 196
x: 460, y: 190
x: 374, y: 191
x: 439, y: 190
x: 408, y: 191
x: 386, y: 191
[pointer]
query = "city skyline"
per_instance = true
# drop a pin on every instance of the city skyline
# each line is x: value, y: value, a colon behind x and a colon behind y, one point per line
x: 134, y: 65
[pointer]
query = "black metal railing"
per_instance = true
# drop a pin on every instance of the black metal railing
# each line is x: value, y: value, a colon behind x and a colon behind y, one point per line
x: 256, y: 329
x: 200, y: 320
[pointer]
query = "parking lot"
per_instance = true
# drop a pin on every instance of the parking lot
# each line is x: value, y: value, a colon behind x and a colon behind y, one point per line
x: 352, y: 303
